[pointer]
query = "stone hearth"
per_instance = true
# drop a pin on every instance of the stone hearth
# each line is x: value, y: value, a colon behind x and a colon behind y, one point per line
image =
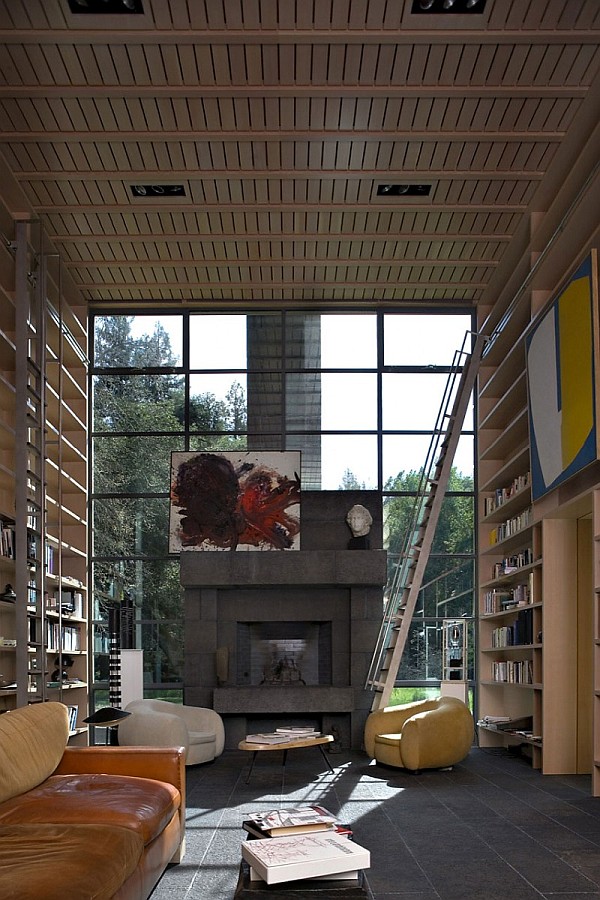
x: 323, y: 595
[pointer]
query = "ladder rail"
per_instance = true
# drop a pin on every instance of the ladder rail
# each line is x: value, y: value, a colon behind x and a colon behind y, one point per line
x: 408, y: 575
x: 416, y: 524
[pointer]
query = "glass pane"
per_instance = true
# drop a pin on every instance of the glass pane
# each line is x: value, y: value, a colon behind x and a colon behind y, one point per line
x: 403, y: 456
x: 265, y: 403
x: 138, y: 341
x: 464, y: 460
x: 411, y: 401
x: 133, y: 464
x: 217, y: 342
x: 303, y: 341
x: 418, y: 340
x: 151, y: 588
x: 138, y: 402
x: 349, y: 401
x: 309, y: 446
x: 349, y: 462
x: 398, y: 514
x: 162, y: 643
x: 265, y: 342
x: 218, y: 403
x: 454, y: 532
x: 448, y: 587
x: 422, y: 657
x: 303, y: 402
x: 131, y: 527
x: 349, y: 341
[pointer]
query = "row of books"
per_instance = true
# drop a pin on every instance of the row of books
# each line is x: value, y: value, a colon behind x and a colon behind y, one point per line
x: 513, y: 671
x: 520, y: 632
x: 511, y: 526
x: 301, y: 843
x: 68, y: 637
x: 496, y: 601
x: 501, y: 495
x: 7, y: 539
x: 513, y: 563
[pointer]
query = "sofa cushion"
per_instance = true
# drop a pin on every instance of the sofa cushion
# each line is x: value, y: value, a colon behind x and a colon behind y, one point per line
x: 32, y: 742
x: 139, y: 804
x: 56, y: 862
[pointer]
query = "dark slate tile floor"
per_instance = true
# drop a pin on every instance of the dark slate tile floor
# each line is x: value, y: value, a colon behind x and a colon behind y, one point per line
x: 491, y: 828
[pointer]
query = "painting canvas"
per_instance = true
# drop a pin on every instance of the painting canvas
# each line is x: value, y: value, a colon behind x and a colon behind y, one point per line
x: 234, y: 501
x: 561, y: 363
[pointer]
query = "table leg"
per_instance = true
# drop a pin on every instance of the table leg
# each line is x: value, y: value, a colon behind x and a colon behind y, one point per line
x: 284, y: 756
x: 251, y: 766
x: 325, y: 757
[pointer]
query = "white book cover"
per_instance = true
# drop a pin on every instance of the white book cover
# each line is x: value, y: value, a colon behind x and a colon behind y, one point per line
x: 335, y: 876
x: 304, y: 856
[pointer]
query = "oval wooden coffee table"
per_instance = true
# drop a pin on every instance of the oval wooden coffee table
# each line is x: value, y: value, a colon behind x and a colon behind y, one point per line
x: 294, y: 744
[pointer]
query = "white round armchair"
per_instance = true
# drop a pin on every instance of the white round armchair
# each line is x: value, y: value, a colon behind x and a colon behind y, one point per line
x: 160, y: 723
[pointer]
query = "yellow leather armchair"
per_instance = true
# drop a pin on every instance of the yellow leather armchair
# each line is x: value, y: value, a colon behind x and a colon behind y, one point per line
x: 427, y: 734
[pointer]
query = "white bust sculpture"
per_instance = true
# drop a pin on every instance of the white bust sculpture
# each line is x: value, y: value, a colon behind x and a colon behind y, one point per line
x: 360, y: 520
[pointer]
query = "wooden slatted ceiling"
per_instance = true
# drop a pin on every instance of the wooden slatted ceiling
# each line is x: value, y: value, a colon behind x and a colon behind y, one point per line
x: 281, y: 119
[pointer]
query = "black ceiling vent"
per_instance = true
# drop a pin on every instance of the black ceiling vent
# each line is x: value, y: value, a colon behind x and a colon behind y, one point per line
x: 403, y: 190
x: 443, y: 7
x: 106, y: 7
x: 158, y: 190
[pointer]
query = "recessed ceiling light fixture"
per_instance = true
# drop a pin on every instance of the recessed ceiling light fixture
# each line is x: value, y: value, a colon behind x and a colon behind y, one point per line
x: 440, y: 7
x: 158, y: 190
x: 106, y: 7
x: 403, y: 190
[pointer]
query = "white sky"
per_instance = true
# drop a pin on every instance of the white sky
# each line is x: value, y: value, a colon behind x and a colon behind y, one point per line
x: 348, y: 401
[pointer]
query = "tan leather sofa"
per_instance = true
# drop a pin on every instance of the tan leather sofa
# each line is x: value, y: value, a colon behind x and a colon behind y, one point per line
x: 86, y: 822
x: 160, y: 723
x: 427, y: 734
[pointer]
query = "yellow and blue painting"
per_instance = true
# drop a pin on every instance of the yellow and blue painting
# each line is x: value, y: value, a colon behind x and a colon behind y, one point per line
x: 561, y: 385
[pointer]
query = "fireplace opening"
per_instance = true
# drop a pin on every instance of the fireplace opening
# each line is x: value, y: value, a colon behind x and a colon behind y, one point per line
x: 280, y: 654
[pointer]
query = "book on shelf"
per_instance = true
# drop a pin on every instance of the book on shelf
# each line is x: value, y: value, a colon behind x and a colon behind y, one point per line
x: 298, y: 856
x: 295, y: 820
x: 73, y: 710
x: 270, y: 737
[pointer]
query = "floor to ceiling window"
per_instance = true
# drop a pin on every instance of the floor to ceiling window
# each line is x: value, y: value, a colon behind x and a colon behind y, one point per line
x: 357, y: 393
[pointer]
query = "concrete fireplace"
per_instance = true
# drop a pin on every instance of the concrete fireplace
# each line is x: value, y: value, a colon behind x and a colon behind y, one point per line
x: 287, y: 636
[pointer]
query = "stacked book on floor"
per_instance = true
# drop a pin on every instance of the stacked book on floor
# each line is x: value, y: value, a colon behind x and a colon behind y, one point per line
x: 308, y: 842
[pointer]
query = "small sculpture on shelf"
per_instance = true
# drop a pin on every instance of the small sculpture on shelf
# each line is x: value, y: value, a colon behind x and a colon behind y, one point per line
x: 359, y: 520
x: 62, y: 675
x: 8, y: 594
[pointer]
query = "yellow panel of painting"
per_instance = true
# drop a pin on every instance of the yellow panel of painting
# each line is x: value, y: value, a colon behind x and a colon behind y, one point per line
x: 576, y: 368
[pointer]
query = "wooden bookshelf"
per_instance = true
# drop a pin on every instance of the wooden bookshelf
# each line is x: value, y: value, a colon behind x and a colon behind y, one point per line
x: 43, y: 477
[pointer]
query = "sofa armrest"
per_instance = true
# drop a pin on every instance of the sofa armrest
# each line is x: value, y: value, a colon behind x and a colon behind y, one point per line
x: 390, y: 720
x: 437, y: 737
